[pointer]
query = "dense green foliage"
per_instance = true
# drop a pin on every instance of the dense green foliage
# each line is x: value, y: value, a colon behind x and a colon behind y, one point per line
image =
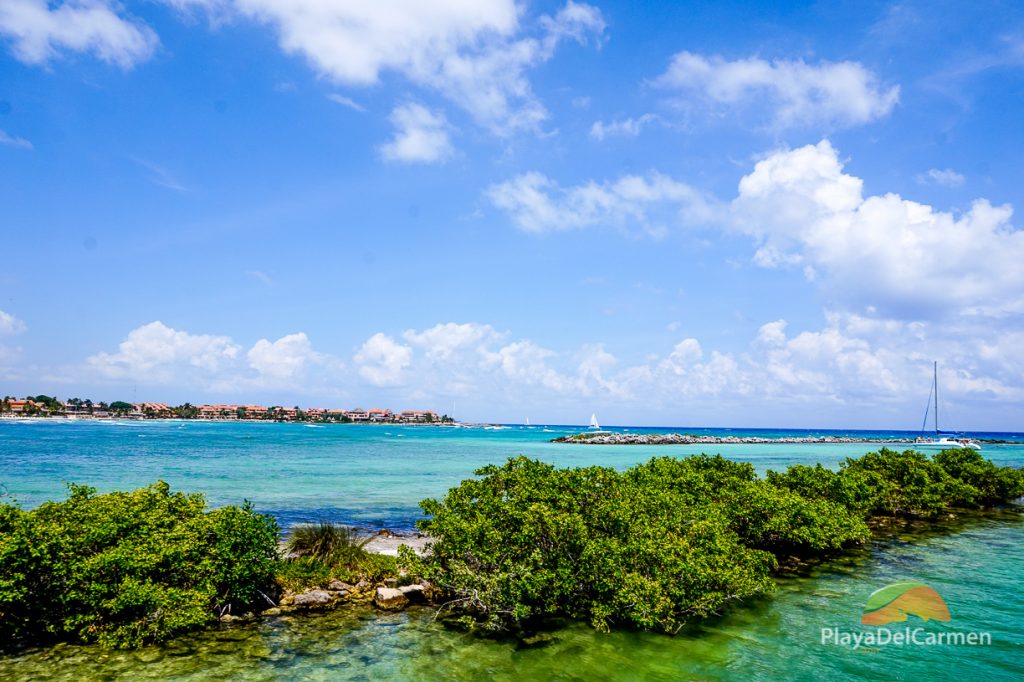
x: 124, y: 569
x: 121, y: 407
x: 668, y: 540
x: 47, y: 401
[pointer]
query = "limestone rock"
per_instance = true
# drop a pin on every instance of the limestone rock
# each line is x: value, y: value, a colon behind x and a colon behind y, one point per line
x: 414, y: 593
x: 313, y: 599
x: 390, y: 599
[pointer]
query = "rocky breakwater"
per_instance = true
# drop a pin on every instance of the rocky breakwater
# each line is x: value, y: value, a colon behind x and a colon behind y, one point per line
x: 691, y: 439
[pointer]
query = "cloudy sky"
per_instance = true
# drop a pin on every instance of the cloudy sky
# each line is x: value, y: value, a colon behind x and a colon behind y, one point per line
x: 721, y: 214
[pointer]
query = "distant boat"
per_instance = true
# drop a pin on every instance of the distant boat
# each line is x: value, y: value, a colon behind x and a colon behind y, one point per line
x: 593, y: 423
x: 942, y: 440
x: 527, y: 421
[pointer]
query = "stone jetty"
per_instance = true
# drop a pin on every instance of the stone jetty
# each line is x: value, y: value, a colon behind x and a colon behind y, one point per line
x: 691, y: 439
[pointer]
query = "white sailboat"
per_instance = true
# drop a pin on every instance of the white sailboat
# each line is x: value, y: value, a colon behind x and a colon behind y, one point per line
x: 593, y: 423
x: 941, y: 440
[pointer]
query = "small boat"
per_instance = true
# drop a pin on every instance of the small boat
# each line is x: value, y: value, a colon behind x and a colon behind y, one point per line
x: 942, y: 440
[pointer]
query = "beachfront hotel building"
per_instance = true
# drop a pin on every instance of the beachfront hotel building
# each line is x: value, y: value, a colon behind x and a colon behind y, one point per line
x: 76, y: 408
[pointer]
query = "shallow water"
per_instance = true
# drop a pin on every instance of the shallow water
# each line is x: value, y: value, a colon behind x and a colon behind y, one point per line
x: 375, y: 476
x: 366, y: 475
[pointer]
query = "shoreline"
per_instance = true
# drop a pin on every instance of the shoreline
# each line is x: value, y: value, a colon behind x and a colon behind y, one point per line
x: 84, y: 418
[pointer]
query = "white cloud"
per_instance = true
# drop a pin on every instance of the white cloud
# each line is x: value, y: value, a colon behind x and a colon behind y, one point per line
x: 155, y: 352
x: 10, y: 325
x: 421, y: 136
x: 627, y: 127
x: 442, y: 341
x: 476, y: 53
x: 877, y: 369
x: 897, y: 257
x: 525, y: 362
x: 905, y: 259
x: 793, y: 93
x: 537, y: 204
x: 346, y: 102
x: 283, y: 360
x: 39, y: 31
x: 474, y: 360
x: 14, y: 141
x: 381, y: 360
x: 945, y: 178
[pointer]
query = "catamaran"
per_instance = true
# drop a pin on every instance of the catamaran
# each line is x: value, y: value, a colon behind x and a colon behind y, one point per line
x: 942, y: 440
x: 593, y: 423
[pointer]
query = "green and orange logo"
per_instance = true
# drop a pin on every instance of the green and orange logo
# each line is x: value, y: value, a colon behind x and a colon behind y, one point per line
x: 892, y: 603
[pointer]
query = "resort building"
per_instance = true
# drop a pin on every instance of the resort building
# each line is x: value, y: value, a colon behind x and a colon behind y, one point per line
x: 76, y: 408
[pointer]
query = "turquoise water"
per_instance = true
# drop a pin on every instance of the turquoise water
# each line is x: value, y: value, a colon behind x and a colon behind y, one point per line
x: 374, y: 476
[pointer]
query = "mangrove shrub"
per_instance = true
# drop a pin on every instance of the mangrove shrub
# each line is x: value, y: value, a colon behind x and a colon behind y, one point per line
x: 670, y: 539
x: 128, y: 568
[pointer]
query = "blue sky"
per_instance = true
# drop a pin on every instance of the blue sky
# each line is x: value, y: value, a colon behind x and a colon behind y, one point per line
x: 725, y: 214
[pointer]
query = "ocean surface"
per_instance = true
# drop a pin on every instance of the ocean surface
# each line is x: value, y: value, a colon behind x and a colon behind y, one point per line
x: 374, y: 476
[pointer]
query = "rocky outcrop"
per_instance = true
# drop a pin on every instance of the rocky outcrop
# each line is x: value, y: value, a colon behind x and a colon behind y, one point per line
x: 312, y: 599
x: 338, y: 586
x: 690, y: 439
x: 414, y: 593
x: 390, y: 599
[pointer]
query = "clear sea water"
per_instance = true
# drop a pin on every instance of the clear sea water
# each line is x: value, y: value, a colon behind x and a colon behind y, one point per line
x: 374, y: 476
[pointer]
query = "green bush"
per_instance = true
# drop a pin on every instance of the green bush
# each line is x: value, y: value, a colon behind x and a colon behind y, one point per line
x: 993, y: 485
x: 529, y: 541
x: 124, y: 569
x: 667, y: 540
x: 765, y: 516
x: 906, y: 483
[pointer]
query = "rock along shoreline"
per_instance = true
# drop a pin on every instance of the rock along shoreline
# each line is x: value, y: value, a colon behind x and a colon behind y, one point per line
x: 691, y: 439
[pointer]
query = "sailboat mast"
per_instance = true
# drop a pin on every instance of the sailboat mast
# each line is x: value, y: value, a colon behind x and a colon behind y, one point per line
x: 935, y: 379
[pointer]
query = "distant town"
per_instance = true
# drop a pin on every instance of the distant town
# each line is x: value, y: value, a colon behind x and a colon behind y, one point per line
x: 76, y: 408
